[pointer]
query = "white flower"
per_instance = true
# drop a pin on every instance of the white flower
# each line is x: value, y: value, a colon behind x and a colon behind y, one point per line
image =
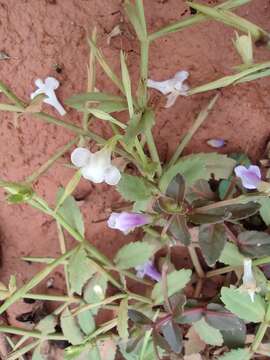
x: 249, y: 281
x: 173, y: 87
x: 97, y: 166
x: 48, y: 88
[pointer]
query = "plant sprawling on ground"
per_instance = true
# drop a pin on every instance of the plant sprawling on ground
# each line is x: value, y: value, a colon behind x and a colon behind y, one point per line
x: 216, y: 207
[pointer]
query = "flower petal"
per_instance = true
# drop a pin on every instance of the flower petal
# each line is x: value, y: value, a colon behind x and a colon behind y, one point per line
x: 80, y: 157
x: 171, y: 99
x: 181, y: 75
x: 51, y: 83
x: 250, y: 177
x: 112, y: 175
x: 165, y: 87
x: 91, y: 173
x: 216, y: 143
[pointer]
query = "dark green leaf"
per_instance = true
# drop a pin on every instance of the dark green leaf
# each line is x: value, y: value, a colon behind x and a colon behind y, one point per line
x: 177, y: 303
x: 190, y: 316
x: 179, y: 229
x: 173, y: 335
x: 265, y: 210
x: 231, y: 255
x: 224, y: 188
x: 243, y: 211
x: 241, y: 159
x: 254, y: 243
x: 221, y: 319
x: 138, y: 317
x: 209, y: 218
x: 177, y: 189
x: 212, y: 239
x: 200, y: 191
x: 235, y: 339
x: 134, y: 188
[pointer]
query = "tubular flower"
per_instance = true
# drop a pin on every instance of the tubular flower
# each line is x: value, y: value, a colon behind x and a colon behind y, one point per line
x: 127, y: 222
x: 250, y: 177
x: 148, y: 269
x: 216, y: 143
x: 172, y: 88
x: 48, y: 88
x: 96, y: 167
x: 249, y: 281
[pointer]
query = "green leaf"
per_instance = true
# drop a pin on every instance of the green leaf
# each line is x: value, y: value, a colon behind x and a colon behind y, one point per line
x: 80, y: 270
x: 176, y: 281
x: 238, y: 354
x: 86, y: 322
x: 95, y: 97
x: 230, y: 19
x: 70, y: 328
x: 122, y: 319
x: 134, y: 188
x: 134, y: 254
x: 231, y: 255
x: 173, y: 335
x: 179, y: 229
x: 102, y: 115
x: 240, y: 304
x: 265, y: 210
x: 70, y: 211
x: 224, y: 188
x: 71, y: 186
x: 47, y: 325
x: 200, y: 190
x: 212, y: 239
x: 139, y: 124
x: 134, y: 18
x: 210, y: 217
x: 138, y: 317
x: 254, y: 243
x: 198, y: 166
x: 221, y: 319
x: 207, y: 333
x: 126, y: 83
x: 95, y: 290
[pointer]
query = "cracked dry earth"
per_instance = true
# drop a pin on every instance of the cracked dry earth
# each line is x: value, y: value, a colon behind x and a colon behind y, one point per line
x: 42, y: 36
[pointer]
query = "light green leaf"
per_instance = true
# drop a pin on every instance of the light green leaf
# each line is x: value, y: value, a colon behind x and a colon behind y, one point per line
x: 265, y: 210
x: 237, y: 354
x: 134, y: 18
x: 176, y: 281
x: 134, y: 188
x: 208, y: 333
x: 126, y: 83
x: 80, y: 270
x: 70, y: 211
x: 86, y: 322
x: 95, y: 290
x: 134, y: 254
x: 71, y: 186
x: 198, y: 166
x: 231, y: 255
x: 102, y: 115
x: 47, y: 325
x: 122, y: 319
x: 95, y: 97
x: 70, y: 328
x: 139, y: 124
x: 240, y: 304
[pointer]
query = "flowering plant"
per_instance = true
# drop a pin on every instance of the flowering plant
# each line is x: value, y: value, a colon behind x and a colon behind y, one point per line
x: 203, y: 206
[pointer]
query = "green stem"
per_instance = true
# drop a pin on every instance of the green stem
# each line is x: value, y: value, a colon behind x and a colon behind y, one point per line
x: 98, y: 304
x: 153, y: 151
x: 16, y: 354
x: 11, y: 96
x: 20, y: 293
x: 57, y: 298
x: 43, y: 168
x: 144, y: 71
x: 30, y: 333
x: 195, y: 126
x: 261, y: 331
x: 63, y: 248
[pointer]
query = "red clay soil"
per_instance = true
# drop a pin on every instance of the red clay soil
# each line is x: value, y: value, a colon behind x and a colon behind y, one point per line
x: 38, y: 34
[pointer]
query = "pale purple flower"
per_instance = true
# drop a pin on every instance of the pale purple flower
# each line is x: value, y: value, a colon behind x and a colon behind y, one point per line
x: 48, y: 88
x: 172, y: 87
x: 148, y: 269
x: 251, y: 176
x: 216, y: 143
x: 127, y: 222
